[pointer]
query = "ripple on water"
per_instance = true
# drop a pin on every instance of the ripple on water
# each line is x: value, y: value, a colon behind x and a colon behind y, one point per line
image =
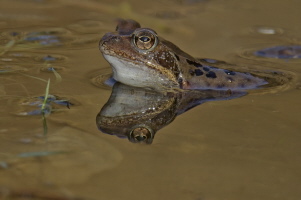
x: 277, y: 81
x: 277, y: 53
x: 86, y: 26
x: 46, y: 37
x: 102, y: 78
x: 281, y: 52
x: 278, y: 45
x: 70, y: 37
x: 23, y: 61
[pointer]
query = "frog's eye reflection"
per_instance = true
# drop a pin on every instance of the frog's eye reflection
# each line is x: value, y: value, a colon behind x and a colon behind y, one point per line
x: 141, y: 135
x: 144, y: 39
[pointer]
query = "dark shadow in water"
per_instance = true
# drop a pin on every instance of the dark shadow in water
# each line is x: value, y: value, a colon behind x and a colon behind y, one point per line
x: 138, y: 113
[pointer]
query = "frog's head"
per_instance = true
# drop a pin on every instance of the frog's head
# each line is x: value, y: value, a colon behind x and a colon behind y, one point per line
x: 139, y: 57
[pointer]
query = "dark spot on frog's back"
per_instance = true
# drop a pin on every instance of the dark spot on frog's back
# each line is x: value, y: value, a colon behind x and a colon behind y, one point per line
x: 211, y: 74
x: 198, y: 72
x: 194, y: 63
x: 206, y: 69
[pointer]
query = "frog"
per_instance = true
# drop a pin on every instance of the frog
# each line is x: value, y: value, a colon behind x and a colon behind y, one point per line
x: 139, y: 57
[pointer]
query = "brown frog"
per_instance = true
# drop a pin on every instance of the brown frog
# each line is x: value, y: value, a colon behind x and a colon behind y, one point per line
x: 140, y: 58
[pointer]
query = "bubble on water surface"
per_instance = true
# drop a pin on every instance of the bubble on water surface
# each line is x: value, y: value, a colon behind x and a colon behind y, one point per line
x: 266, y: 30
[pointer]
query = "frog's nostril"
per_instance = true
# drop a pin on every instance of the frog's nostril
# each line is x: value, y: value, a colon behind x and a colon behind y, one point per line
x: 115, y: 38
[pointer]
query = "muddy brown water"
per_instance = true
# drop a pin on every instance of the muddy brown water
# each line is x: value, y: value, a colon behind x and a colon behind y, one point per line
x: 244, y: 148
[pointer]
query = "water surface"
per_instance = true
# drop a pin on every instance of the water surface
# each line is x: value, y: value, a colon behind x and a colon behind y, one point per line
x: 243, y: 148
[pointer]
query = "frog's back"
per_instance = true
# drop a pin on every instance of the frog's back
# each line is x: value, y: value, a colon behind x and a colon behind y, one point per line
x: 203, y: 75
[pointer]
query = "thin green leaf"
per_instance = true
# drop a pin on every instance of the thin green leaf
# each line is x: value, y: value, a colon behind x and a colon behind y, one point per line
x: 46, y: 95
x: 9, y: 45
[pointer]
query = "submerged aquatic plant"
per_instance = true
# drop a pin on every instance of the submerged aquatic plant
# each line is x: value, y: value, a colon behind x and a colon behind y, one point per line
x: 44, y: 103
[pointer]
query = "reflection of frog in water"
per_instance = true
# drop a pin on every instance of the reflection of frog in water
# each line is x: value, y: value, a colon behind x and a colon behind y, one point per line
x: 138, y: 113
x: 140, y: 58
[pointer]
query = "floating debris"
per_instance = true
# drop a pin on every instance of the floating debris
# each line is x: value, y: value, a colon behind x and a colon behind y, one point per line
x: 46, y: 107
x: 49, y: 58
x: 281, y: 52
x: 43, y: 39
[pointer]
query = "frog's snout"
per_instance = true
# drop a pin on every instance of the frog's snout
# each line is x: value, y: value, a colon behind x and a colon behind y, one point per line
x: 108, y: 39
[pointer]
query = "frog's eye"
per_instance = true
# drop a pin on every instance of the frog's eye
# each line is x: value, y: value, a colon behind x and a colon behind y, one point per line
x: 144, y: 39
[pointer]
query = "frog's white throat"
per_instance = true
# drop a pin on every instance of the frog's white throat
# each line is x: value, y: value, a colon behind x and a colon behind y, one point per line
x: 133, y: 74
